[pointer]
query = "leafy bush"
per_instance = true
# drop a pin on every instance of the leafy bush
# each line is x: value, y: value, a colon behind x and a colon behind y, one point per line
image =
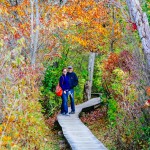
x: 23, y: 125
x: 124, y: 110
x: 49, y: 100
x: 112, y: 112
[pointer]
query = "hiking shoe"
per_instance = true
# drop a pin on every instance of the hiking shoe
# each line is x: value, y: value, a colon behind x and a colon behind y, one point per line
x: 63, y: 113
x: 72, y: 112
x: 67, y: 114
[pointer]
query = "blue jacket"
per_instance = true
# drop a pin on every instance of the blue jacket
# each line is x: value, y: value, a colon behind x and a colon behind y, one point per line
x: 64, y: 83
x: 73, y: 79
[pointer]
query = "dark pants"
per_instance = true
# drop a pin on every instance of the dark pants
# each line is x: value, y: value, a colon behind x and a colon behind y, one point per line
x: 71, y: 95
x: 64, y: 105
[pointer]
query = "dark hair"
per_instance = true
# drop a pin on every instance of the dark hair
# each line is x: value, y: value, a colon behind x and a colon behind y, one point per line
x: 64, y: 69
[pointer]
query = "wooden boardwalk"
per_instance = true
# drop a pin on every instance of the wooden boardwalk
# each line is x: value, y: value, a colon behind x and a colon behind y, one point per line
x: 76, y: 133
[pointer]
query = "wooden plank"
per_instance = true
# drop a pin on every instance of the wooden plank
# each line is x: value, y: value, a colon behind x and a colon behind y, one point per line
x: 76, y: 133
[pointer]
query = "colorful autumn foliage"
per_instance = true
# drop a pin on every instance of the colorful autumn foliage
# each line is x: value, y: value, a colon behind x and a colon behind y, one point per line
x: 118, y: 80
x: 23, y: 124
x: 66, y: 36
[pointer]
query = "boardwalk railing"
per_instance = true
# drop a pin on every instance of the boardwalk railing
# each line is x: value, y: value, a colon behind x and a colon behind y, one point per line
x: 76, y: 133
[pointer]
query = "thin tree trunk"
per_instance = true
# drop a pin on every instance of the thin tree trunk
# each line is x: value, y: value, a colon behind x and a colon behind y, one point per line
x: 32, y: 33
x: 34, y: 37
x: 91, y: 71
x: 36, y: 33
x: 141, y: 21
x: 112, y: 33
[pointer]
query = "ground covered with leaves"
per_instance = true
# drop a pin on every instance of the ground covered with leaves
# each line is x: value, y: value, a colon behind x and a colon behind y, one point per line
x: 97, y: 121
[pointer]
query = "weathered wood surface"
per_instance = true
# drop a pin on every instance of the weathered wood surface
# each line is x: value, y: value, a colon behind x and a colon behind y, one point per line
x: 76, y: 133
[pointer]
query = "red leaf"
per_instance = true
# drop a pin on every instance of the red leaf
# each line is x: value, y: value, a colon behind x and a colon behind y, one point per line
x: 134, y: 26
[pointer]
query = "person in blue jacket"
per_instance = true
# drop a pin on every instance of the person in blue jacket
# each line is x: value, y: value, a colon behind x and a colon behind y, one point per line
x: 64, y: 84
x: 73, y: 82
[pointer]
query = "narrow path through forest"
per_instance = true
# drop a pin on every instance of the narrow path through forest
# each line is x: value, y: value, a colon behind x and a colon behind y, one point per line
x: 76, y: 133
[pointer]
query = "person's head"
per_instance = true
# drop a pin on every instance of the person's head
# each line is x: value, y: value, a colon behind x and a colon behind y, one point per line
x: 64, y: 71
x: 70, y: 69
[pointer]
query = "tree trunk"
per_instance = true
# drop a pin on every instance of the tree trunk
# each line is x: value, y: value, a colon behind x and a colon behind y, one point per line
x: 91, y: 70
x: 86, y: 91
x: 15, y: 2
x: 142, y: 24
x: 113, y: 31
x: 37, y: 30
x: 34, y: 37
x: 32, y: 33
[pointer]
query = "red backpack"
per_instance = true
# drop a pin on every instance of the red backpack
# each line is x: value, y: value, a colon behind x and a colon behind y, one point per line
x: 59, y: 90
